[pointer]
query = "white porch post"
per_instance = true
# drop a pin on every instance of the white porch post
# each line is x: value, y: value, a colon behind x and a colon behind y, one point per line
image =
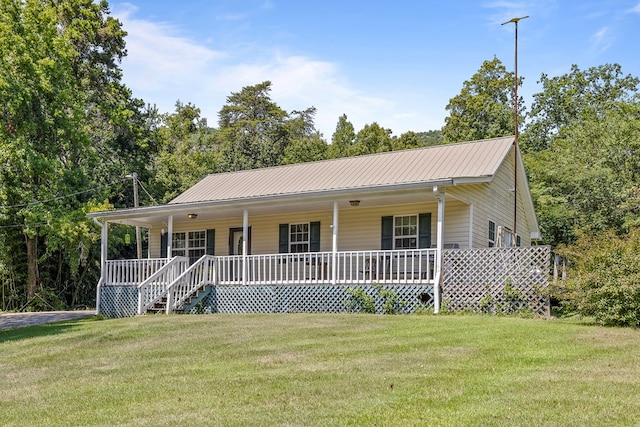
x: 103, y: 260
x: 245, y: 245
x: 439, y: 192
x: 334, y: 248
x: 470, y: 243
x: 169, y: 236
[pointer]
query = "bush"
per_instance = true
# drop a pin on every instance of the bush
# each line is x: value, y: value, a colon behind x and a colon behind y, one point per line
x: 360, y: 301
x: 603, y: 278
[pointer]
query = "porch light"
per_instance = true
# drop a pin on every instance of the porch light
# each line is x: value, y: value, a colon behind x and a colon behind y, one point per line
x: 354, y: 202
x: 192, y: 216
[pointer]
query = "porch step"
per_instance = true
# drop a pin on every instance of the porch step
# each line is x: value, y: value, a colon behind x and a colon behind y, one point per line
x: 196, y: 298
x: 160, y: 307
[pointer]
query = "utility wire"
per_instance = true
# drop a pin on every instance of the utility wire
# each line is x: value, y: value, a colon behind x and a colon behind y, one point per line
x: 38, y: 202
x: 147, y: 193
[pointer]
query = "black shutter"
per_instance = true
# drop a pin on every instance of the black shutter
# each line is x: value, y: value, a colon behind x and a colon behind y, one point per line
x: 386, y: 243
x: 314, y: 236
x: 424, y: 230
x: 283, y: 246
x: 211, y: 242
x: 164, y: 239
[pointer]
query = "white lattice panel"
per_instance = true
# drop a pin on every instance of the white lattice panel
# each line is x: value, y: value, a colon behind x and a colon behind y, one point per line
x: 479, y: 279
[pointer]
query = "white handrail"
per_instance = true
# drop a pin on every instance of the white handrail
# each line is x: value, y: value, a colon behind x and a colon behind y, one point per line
x: 153, y: 288
x: 199, y: 274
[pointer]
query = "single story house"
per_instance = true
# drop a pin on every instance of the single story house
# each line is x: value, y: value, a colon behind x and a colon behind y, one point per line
x: 311, y: 228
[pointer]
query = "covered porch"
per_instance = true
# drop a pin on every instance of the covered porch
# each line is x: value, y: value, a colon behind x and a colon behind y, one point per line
x: 173, y: 284
x: 179, y: 276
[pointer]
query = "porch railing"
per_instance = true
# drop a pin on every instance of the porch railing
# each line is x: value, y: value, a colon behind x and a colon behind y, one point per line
x: 131, y: 272
x: 155, y: 286
x: 384, y: 267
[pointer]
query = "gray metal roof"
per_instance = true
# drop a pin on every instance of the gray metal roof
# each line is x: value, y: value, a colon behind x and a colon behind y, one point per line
x: 468, y: 161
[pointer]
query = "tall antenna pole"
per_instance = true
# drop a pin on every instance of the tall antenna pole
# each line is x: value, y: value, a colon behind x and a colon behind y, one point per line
x: 515, y: 127
x: 136, y: 203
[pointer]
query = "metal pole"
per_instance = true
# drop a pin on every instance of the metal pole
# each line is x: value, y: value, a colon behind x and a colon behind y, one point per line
x: 515, y: 128
x: 136, y: 203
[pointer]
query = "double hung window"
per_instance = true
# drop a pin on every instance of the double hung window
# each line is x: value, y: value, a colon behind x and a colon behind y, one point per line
x: 191, y: 244
x: 299, y: 237
x: 405, y: 232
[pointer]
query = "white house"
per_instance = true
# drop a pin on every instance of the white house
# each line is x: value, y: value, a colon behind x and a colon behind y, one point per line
x: 383, y: 218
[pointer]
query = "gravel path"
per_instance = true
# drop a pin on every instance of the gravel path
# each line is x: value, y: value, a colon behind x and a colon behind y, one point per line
x: 16, y: 320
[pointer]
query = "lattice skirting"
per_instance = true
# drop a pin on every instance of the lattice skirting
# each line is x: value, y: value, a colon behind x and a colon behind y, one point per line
x: 307, y: 299
x: 497, y: 280
x: 123, y: 301
x: 492, y: 280
x: 119, y: 301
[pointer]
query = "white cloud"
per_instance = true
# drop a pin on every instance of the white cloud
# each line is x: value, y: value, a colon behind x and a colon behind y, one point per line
x: 636, y: 9
x: 157, y: 57
x: 163, y: 67
x: 601, y: 40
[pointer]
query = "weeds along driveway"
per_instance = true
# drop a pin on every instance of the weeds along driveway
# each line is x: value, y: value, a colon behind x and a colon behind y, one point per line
x: 17, y: 320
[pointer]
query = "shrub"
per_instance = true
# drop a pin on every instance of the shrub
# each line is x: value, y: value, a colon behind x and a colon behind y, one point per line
x: 603, y: 278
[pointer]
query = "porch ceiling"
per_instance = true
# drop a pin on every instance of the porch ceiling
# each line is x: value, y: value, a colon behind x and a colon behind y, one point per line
x: 155, y: 216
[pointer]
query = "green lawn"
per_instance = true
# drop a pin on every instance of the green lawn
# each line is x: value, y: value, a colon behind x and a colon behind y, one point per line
x: 315, y: 369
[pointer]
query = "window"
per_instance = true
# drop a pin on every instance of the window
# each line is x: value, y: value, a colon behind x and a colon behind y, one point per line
x: 191, y: 244
x: 299, y: 237
x: 405, y: 232
x: 492, y: 234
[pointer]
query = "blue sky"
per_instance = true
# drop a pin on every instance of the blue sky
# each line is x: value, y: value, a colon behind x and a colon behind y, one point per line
x: 395, y: 63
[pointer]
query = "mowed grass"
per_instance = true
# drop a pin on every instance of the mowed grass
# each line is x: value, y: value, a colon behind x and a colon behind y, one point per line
x: 319, y: 370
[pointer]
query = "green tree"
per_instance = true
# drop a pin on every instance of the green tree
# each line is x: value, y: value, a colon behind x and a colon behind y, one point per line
x: 343, y: 138
x: 589, y: 178
x: 254, y: 128
x: 417, y: 139
x: 372, y: 138
x: 189, y: 151
x: 576, y: 97
x: 61, y: 107
x: 484, y: 107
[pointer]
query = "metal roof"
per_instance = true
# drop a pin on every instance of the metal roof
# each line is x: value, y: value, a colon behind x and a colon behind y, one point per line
x: 463, y: 162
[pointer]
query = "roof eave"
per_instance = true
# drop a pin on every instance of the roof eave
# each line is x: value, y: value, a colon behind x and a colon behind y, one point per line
x: 168, y: 209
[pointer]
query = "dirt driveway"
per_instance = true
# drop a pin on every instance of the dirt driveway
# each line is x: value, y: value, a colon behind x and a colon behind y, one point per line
x: 16, y: 320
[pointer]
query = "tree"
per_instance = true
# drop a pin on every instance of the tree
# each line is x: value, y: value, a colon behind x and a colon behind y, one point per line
x: 371, y: 139
x: 576, y: 97
x: 253, y: 128
x: 61, y: 104
x: 306, y: 143
x: 343, y: 138
x: 417, y: 139
x: 484, y: 107
x: 589, y: 178
x: 189, y: 151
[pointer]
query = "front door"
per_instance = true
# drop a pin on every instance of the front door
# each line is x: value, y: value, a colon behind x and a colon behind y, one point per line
x: 235, y: 241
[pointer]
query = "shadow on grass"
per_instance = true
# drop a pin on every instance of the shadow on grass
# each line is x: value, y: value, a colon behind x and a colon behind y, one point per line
x: 41, y: 330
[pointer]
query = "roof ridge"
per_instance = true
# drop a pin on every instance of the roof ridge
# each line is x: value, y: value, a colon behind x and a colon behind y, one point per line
x: 361, y: 156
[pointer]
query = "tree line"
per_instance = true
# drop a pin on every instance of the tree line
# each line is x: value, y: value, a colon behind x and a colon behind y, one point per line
x: 71, y: 133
